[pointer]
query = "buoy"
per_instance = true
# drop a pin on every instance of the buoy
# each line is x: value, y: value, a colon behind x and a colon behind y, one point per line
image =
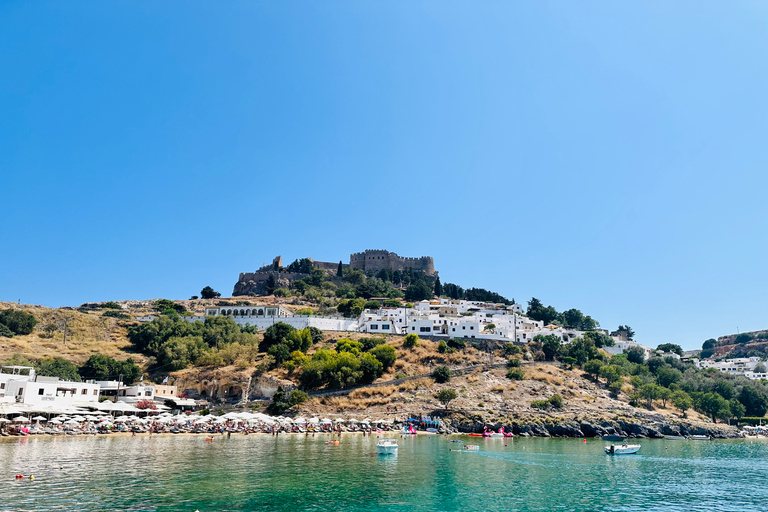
x: 585, y: 440
x: 31, y: 477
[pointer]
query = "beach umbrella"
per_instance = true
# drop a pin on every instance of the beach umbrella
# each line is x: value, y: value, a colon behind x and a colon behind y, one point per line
x: 339, y: 420
x: 21, y: 419
x: 326, y: 421
x: 39, y: 418
x: 55, y: 421
x: 314, y: 421
x: 299, y: 420
x: 353, y: 420
x: 366, y: 420
x: 3, y: 420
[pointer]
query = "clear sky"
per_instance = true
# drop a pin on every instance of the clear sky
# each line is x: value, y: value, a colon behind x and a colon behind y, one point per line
x: 608, y: 156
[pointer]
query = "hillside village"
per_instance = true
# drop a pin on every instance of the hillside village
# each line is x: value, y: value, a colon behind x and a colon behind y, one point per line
x: 337, y: 346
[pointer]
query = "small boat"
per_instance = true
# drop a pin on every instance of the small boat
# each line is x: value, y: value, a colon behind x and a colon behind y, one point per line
x: 472, y: 447
x: 699, y: 438
x: 475, y: 435
x: 432, y: 430
x: 622, y: 449
x: 675, y: 438
x: 386, y: 447
x: 613, y: 437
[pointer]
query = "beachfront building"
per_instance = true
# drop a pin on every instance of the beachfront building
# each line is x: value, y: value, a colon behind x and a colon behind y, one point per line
x: 24, y: 386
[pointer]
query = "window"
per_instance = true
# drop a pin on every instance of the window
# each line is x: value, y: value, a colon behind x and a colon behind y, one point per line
x: 85, y: 392
x: 95, y: 392
x: 21, y: 390
x: 463, y: 326
x: 148, y: 393
x: 385, y: 327
x: 413, y: 328
x: 40, y: 391
x: 454, y: 329
x: 374, y: 327
x: 471, y: 327
x: 2, y: 385
x: 425, y: 329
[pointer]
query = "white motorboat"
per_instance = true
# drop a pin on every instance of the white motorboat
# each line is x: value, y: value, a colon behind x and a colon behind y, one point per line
x: 675, y: 438
x: 622, y: 449
x: 387, y: 447
x: 700, y: 438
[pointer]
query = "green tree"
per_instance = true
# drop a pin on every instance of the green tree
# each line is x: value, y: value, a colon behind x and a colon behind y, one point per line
x: 17, y: 321
x: 58, y: 367
x: 347, y: 345
x: 209, y: 293
x: 5, y: 331
x: 281, y: 352
x: 582, y: 349
x: 317, y: 335
x: 271, y: 285
x: 628, y: 332
x: 755, y: 402
x: 101, y: 367
x: 438, y: 287
x: 442, y: 347
x: 682, y: 401
x: 490, y: 328
x: 537, y: 311
x: 386, y: 354
x: 179, y: 353
x: 671, y: 347
x: 550, y: 345
x: 599, y: 339
x: 442, y: 374
x: 593, y: 367
x: 445, y: 396
x: 724, y: 388
x: 411, y: 340
x: 667, y: 376
x: 635, y: 354
x: 371, y: 367
x: 340, y: 270
x: 737, y: 410
x: 650, y: 392
x: 569, y: 362
x: 714, y: 406
x: 275, y: 334
x: 708, y: 348
x: 611, y: 373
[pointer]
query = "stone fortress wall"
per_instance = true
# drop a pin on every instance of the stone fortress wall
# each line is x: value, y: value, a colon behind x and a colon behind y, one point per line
x: 367, y: 261
x: 375, y: 260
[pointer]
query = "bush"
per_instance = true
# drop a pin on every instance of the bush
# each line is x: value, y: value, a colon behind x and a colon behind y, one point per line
x: 58, y: 367
x: 515, y: 374
x: 457, y: 343
x: 540, y: 404
x: 386, y: 354
x: 442, y: 347
x: 297, y: 397
x: 442, y: 374
x: 369, y: 343
x: 209, y: 293
x: 18, y: 322
x: 371, y: 367
x: 164, y: 305
x: 317, y: 335
x: 101, y: 367
x: 116, y: 314
x: 514, y: 362
x: 412, y: 340
x: 400, y: 375
x: 5, y: 331
x: 445, y: 396
x: 281, y: 292
x: 275, y: 334
x: 110, y: 305
x: 554, y: 402
x: 281, y: 352
x: 511, y: 349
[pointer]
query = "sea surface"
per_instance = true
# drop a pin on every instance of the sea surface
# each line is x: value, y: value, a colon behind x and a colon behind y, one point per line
x: 298, y: 473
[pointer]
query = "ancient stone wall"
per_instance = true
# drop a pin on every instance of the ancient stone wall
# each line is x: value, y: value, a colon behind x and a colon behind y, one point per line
x: 375, y: 260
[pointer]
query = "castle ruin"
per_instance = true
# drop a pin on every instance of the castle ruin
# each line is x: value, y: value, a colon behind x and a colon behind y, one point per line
x: 369, y: 262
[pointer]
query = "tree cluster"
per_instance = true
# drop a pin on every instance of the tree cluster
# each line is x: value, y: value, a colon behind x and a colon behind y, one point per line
x: 549, y: 315
x: 15, y: 321
x: 352, y: 362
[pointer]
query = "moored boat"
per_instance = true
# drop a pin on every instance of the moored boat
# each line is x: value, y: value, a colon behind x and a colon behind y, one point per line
x: 675, y: 438
x: 386, y: 446
x: 622, y: 449
x: 699, y: 438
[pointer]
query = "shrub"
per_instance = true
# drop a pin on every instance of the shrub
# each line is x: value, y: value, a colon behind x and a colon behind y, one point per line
x: 556, y: 401
x: 515, y: 374
x: 540, y: 404
x: 5, y: 331
x: 514, y: 362
x: 400, y: 375
x: 275, y: 334
x: 116, y: 314
x: 445, y: 396
x: 347, y: 345
x: 386, y: 354
x: 369, y: 343
x: 18, y: 322
x: 371, y: 367
x: 457, y: 343
x: 281, y: 352
x: 304, y: 312
x: 297, y: 397
x: 412, y: 340
x: 442, y: 374
x: 58, y: 367
x: 164, y: 305
x: 209, y: 293
x: 110, y: 305
x: 511, y: 349
x: 442, y: 347
x: 317, y: 335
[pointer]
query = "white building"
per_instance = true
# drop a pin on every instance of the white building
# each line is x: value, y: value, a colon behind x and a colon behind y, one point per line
x: 26, y: 387
x: 736, y: 366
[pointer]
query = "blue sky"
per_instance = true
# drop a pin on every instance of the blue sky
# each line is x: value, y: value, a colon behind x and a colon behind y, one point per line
x: 608, y: 156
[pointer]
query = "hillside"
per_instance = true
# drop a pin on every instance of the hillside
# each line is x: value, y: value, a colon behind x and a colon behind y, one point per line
x: 485, y: 393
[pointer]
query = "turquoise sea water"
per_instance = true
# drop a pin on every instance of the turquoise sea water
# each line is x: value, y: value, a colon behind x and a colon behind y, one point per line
x: 298, y: 473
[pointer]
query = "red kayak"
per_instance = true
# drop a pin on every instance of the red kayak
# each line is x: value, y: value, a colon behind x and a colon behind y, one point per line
x: 475, y: 435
